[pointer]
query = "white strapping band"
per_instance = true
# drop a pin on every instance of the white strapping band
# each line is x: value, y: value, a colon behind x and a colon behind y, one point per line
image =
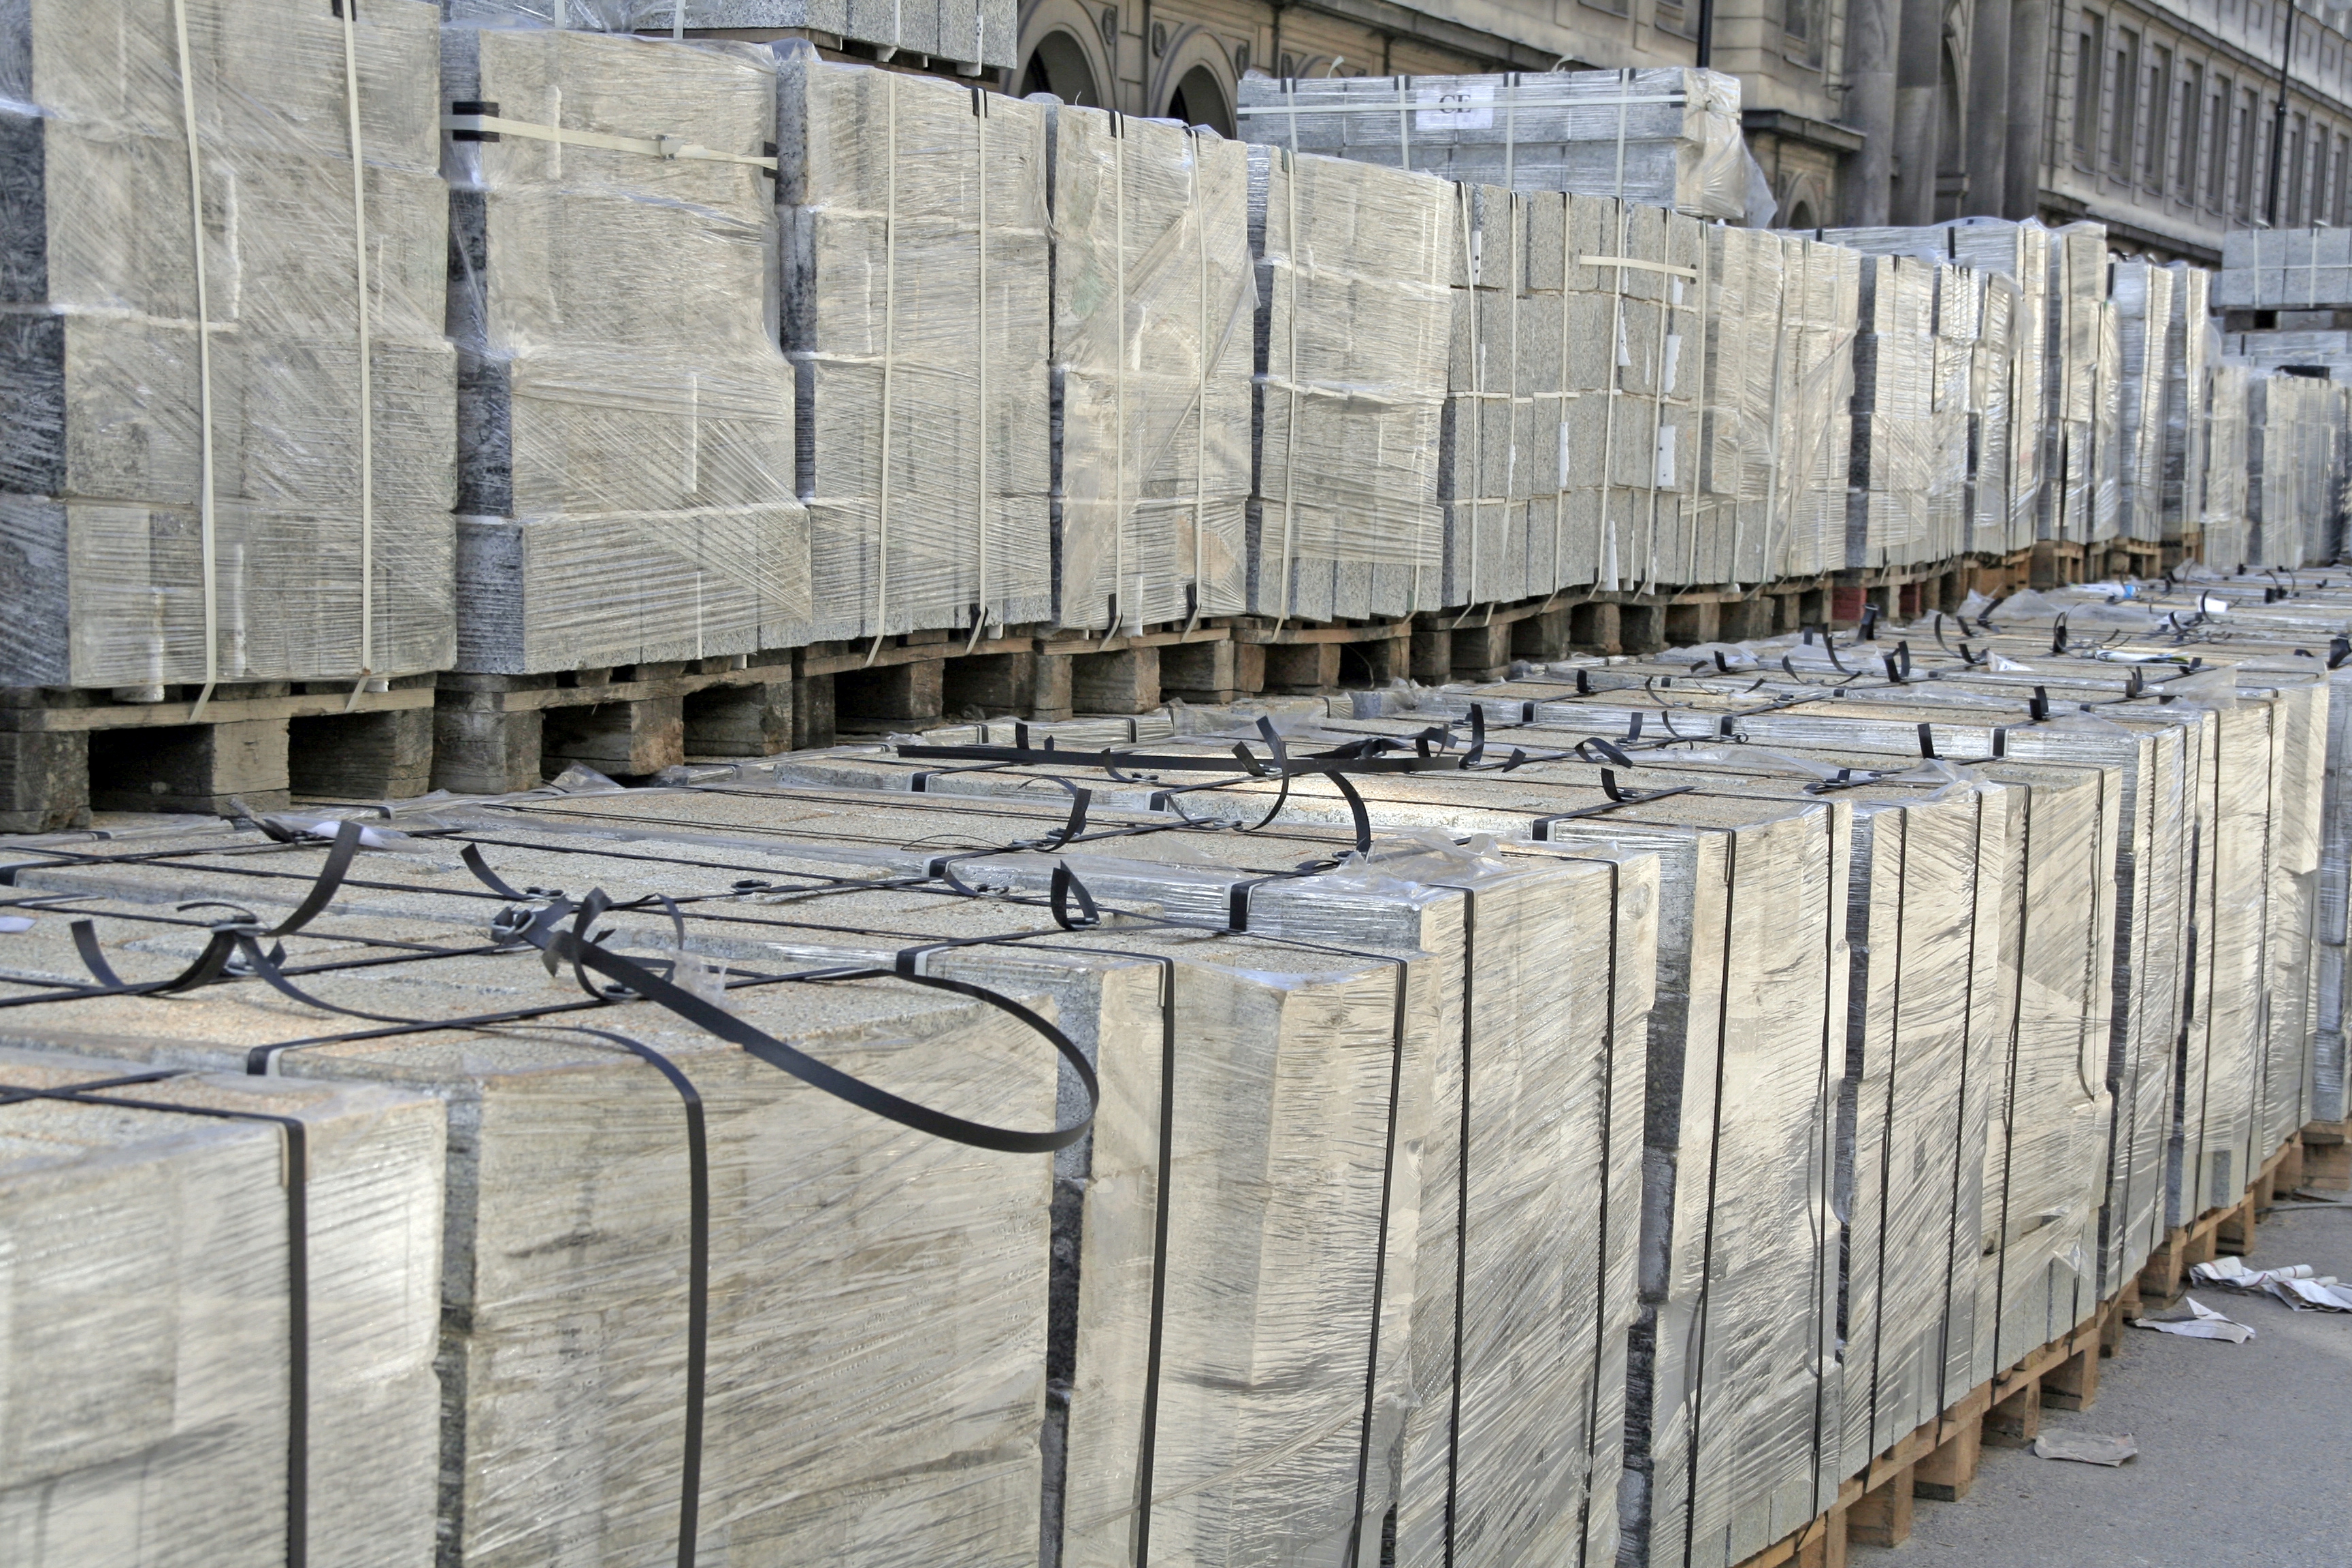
x: 670, y: 148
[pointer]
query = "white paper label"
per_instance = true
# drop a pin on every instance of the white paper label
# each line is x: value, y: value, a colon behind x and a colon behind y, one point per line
x: 1674, y: 360
x: 1470, y: 107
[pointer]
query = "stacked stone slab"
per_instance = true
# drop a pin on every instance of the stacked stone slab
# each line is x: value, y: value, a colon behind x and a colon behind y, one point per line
x: 2190, y: 348
x: 968, y: 34
x: 2294, y: 468
x: 154, y: 1296
x: 1152, y: 313
x: 1353, y: 334
x: 903, y: 1275
x: 1891, y: 522
x: 626, y: 418
x: 230, y: 461
x: 1739, y: 448
x: 2284, y: 270
x: 2222, y: 502
x: 1501, y: 1450
x: 916, y: 311
x: 2142, y: 292
x: 1667, y: 137
x: 1821, y: 289
x: 1487, y: 468
x: 2082, y: 396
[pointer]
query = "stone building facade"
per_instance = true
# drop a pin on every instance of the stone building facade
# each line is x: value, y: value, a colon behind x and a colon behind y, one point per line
x: 2159, y: 118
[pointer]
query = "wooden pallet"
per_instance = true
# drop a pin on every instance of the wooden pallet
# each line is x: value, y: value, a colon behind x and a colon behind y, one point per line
x: 2218, y: 1231
x: 65, y: 750
x: 494, y: 733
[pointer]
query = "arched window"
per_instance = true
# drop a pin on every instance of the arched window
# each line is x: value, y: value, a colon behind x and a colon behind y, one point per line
x: 1058, y: 66
x: 1199, y: 99
x: 1802, y: 216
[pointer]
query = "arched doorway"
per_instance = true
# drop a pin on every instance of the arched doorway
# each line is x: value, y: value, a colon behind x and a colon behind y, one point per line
x: 1058, y: 66
x: 1199, y: 99
x: 1802, y: 216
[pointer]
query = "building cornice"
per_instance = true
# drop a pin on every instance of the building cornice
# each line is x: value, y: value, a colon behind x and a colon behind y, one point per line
x: 1793, y: 127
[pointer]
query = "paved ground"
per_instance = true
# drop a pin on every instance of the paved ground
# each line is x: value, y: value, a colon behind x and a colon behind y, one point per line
x: 2245, y: 1450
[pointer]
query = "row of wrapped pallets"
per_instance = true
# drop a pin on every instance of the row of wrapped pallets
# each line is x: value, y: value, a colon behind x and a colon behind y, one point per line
x: 1583, y: 1118
x: 492, y: 347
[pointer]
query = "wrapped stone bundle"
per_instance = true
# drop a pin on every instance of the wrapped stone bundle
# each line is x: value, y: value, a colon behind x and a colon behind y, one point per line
x: 1741, y: 442
x: 233, y: 460
x: 1153, y: 301
x: 2284, y: 270
x: 970, y: 33
x: 1820, y: 295
x: 2021, y: 252
x: 1487, y: 466
x: 1512, y: 1434
x: 625, y: 416
x: 906, y: 1275
x: 1353, y: 334
x: 2294, y: 468
x: 2142, y: 295
x: 1893, y: 459
x: 154, y: 1307
x: 916, y: 312
x: 2112, y: 451
x: 1960, y: 323
x: 2302, y: 348
x: 1666, y: 137
x: 1992, y: 379
x: 1731, y: 1362
x: 1618, y: 356
x: 2190, y: 345
x: 2221, y: 513
x: 2078, y: 372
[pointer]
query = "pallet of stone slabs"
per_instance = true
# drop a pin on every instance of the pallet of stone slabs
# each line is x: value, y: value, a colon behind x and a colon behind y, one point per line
x: 65, y: 750
x: 493, y: 735
x: 2218, y: 1231
x: 922, y: 678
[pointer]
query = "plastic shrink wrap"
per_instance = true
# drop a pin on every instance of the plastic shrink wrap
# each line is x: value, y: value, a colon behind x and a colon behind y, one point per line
x: 2222, y: 511
x: 1959, y: 324
x: 905, y: 1276
x: 2316, y: 349
x: 2009, y: 464
x: 1153, y: 301
x: 971, y: 33
x: 916, y: 312
x: 189, y: 426
x: 1664, y: 137
x: 1746, y: 392
x: 1487, y: 465
x: 153, y: 1302
x: 2076, y: 387
x: 2190, y: 349
x: 2294, y: 468
x: 1923, y: 1011
x: 1889, y: 521
x: 1353, y: 334
x: 2142, y: 294
x: 1819, y: 301
x: 625, y: 445
x: 2284, y: 270
x: 1516, y: 1336
x: 1730, y: 1360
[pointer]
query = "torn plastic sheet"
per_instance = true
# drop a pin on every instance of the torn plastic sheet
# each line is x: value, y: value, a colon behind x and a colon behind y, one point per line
x: 2197, y: 1322
x: 2085, y: 1448
x: 2301, y: 1287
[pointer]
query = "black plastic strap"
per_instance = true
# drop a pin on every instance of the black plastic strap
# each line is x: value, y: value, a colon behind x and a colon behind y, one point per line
x: 1927, y: 741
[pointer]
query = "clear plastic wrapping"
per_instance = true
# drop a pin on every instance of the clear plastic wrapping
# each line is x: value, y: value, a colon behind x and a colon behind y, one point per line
x: 1743, y: 445
x: 2078, y: 376
x: 2284, y: 270
x: 1665, y: 136
x: 2188, y: 348
x: 2222, y: 514
x: 972, y: 32
x: 1153, y: 301
x: 2142, y: 293
x: 2295, y: 466
x: 626, y: 431
x: 1487, y: 466
x: 149, y: 1297
x: 916, y: 312
x: 1353, y: 332
x: 231, y: 462
x: 1895, y: 450
x: 905, y: 1278
x: 1821, y: 301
